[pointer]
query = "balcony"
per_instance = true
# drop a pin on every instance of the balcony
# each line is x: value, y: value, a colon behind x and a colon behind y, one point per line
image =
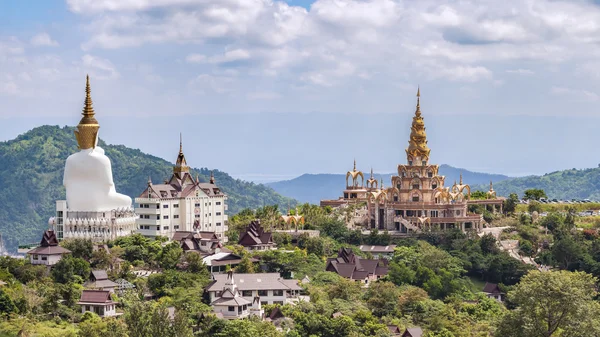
x: 149, y: 232
x: 151, y: 210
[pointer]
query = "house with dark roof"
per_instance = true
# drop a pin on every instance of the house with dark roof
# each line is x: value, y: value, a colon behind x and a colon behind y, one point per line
x: 353, y: 267
x: 271, y: 288
x: 200, y: 242
x: 413, y: 332
x: 491, y: 290
x: 394, y: 330
x: 99, y: 280
x: 97, y: 301
x: 49, y: 252
x: 256, y: 238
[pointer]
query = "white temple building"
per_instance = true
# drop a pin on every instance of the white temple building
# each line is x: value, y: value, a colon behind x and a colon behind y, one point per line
x: 93, y: 208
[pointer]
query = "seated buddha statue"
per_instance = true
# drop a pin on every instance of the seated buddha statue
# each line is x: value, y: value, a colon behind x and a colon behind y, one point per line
x: 88, y: 173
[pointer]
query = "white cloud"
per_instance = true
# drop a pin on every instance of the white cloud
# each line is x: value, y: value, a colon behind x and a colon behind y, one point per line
x: 195, y: 58
x: 577, y: 94
x: 43, y: 39
x: 99, y: 68
x: 263, y: 95
x: 520, y: 71
x: 206, y: 83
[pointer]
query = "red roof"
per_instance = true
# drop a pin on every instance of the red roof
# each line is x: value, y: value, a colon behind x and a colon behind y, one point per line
x: 95, y: 296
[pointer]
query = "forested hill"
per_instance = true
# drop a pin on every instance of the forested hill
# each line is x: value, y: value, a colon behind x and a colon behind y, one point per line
x: 567, y: 184
x: 315, y: 187
x: 31, y: 172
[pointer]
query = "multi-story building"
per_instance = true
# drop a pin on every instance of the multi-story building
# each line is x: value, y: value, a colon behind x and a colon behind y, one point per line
x: 417, y: 199
x: 271, y: 288
x: 182, y: 203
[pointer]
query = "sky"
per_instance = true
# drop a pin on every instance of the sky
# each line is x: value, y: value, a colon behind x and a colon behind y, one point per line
x: 269, y: 89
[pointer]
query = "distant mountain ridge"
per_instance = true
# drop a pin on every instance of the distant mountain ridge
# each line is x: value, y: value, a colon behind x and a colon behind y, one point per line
x: 31, y: 172
x: 315, y: 187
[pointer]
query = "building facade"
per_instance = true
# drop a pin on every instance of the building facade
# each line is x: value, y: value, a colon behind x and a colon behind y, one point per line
x: 182, y: 203
x: 93, y: 209
x: 417, y: 198
x: 48, y: 253
x: 271, y: 288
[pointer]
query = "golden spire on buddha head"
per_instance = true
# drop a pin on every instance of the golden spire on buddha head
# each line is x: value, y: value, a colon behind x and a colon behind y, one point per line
x: 87, y: 130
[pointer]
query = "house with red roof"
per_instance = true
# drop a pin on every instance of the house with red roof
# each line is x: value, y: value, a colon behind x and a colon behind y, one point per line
x: 99, y: 302
x: 49, y: 252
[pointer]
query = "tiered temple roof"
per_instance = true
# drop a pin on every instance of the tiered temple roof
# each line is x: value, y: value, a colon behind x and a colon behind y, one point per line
x: 348, y: 265
x: 255, y: 235
x: 49, y: 245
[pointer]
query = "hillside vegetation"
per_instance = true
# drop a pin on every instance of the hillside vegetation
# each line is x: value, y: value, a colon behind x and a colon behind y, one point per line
x: 567, y: 184
x: 31, y: 172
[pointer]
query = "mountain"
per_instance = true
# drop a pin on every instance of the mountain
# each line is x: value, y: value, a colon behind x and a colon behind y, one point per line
x: 31, y: 172
x: 315, y: 187
x: 566, y: 184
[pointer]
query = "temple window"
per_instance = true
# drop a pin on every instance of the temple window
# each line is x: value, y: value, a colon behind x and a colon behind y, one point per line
x: 434, y: 185
x: 415, y: 198
x: 433, y: 214
x: 395, y: 198
x: 345, y: 195
x: 424, y: 163
x: 415, y: 186
x: 410, y: 163
x: 398, y: 186
x: 430, y: 174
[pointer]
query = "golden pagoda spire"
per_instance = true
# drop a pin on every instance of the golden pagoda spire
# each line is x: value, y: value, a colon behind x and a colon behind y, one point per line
x: 460, y: 181
x: 181, y: 164
x: 417, y: 143
x: 491, y: 186
x: 212, y: 177
x: 87, y: 130
x: 354, y: 164
x: 371, y: 173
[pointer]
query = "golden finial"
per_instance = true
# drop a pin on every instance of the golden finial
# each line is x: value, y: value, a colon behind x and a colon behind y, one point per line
x: 491, y: 186
x: 149, y: 181
x: 461, y: 181
x: 87, y: 129
x: 371, y: 173
x: 354, y: 164
x: 212, y: 177
x: 418, y: 111
x: 382, y: 183
x: 181, y: 164
x: 180, y: 143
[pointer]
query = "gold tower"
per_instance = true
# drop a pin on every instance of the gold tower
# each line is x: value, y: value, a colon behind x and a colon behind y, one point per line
x: 417, y: 144
x: 181, y: 165
x: 87, y: 130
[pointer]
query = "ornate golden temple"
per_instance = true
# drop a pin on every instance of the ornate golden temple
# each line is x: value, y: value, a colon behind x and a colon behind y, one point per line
x: 417, y: 199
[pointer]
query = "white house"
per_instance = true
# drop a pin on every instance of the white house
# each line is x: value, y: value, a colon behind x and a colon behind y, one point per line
x: 182, y: 203
x: 230, y: 303
x: 49, y: 252
x: 97, y: 301
x: 271, y: 288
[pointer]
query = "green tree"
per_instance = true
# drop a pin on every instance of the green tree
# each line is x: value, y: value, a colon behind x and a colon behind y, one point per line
x: 534, y: 206
x: 246, y: 266
x: 6, y: 304
x: 70, y: 269
x: 552, y: 304
x: 383, y: 298
x: 534, y: 194
x: 510, y: 204
x: 82, y: 248
x: 170, y: 255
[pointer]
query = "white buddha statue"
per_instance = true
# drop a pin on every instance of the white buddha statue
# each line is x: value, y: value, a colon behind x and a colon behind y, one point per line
x: 88, y: 174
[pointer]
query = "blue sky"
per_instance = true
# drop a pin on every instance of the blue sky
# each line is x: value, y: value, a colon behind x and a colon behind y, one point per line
x: 267, y: 89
